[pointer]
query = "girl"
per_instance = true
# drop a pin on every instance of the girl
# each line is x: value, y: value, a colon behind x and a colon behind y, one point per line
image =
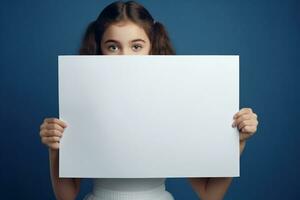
x: 124, y: 28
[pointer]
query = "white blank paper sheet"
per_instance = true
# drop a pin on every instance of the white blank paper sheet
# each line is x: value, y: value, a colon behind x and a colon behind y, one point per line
x: 149, y: 116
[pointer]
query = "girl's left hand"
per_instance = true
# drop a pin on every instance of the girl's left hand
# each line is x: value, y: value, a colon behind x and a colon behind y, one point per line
x: 246, y: 122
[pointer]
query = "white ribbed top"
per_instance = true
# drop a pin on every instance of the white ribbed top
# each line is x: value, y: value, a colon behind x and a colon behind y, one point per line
x: 129, y: 189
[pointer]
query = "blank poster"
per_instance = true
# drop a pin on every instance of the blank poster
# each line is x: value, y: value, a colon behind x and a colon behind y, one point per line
x: 149, y: 116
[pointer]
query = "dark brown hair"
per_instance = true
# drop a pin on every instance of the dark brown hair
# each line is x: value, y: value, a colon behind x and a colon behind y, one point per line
x: 121, y: 11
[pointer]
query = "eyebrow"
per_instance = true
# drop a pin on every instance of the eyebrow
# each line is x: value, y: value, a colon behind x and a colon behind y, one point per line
x: 116, y: 41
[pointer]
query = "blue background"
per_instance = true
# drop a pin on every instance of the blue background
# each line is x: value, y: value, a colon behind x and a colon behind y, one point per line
x: 264, y: 33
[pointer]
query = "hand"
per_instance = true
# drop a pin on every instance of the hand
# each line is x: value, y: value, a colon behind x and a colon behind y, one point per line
x: 246, y: 122
x: 51, y: 132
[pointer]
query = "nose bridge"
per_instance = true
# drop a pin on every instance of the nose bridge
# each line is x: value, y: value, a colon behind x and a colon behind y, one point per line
x: 126, y: 51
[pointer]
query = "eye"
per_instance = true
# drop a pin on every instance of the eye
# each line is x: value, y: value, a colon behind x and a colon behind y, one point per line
x: 137, y: 47
x: 113, y: 48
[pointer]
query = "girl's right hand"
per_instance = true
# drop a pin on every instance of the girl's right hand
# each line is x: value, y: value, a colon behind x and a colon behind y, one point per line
x: 51, y: 131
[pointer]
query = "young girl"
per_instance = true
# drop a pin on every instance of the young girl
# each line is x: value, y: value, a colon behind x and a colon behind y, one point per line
x: 124, y: 28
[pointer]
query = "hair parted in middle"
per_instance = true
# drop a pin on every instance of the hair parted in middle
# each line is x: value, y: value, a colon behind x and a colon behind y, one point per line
x: 120, y: 11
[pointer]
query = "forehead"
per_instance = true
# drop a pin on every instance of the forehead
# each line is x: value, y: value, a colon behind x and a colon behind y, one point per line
x: 125, y: 31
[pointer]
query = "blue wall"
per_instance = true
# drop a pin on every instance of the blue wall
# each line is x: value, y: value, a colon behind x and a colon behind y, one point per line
x: 264, y: 33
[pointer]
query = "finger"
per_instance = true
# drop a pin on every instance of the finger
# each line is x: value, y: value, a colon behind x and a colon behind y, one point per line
x: 255, y: 115
x: 55, y: 120
x: 249, y: 129
x: 244, y: 123
x: 241, y: 112
x: 242, y: 118
x: 50, y: 133
x: 43, y: 125
x: 53, y: 126
x: 48, y: 140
